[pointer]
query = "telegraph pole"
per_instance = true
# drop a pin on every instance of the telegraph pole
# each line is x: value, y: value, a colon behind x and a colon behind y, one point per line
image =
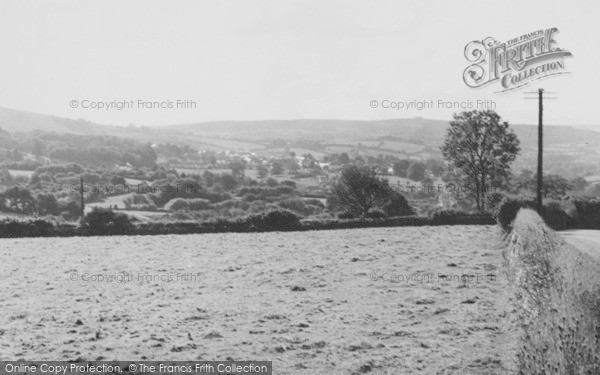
x: 540, y: 174
x: 81, y: 195
x: 540, y: 170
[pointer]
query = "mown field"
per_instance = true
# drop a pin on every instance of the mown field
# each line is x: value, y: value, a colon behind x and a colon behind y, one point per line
x: 326, y: 302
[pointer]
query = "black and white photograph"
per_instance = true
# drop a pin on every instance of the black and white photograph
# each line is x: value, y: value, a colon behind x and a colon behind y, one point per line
x: 307, y: 187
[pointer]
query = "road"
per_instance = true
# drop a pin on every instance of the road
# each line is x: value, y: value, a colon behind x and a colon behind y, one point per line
x: 587, y: 240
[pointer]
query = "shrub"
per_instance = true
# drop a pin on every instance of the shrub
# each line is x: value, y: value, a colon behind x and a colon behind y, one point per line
x: 103, y: 221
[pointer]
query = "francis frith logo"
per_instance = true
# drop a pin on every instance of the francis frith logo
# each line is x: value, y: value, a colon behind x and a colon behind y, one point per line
x: 515, y: 63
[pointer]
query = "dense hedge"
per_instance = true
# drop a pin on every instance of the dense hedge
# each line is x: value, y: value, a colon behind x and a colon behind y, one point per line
x: 508, y: 209
x: 571, y: 213
x: 107, y: 222
x: 452, y: 217
x: 586, y: 215
x: 29, y: 228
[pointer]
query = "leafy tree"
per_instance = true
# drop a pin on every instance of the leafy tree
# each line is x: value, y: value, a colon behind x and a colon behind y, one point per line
x: 228, y: 182
x: 400, y: 167
x: 416, y: 171
x: 237, y: 167
x: 262, y: 171
x: 271, y: 182
x: 17, y: 199
x: 118, y: 180
x: 358, y: 189
x: 359, y: 160
x: 276, y: 168
x: 482, y: 147
x: 308, y: 160
x: 397, y: 205
x: 209, y: 178
x: 344, y: 158
x: 291, y: 165
x: 47, y: 204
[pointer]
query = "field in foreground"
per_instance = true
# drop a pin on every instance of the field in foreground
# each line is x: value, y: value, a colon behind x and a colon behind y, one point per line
x: 325, y: 302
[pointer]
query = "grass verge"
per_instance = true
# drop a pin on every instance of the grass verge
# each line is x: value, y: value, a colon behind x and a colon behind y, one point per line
x: 558, y: 294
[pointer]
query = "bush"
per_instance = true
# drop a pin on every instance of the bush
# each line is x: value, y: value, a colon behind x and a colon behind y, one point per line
x: 103, y: 221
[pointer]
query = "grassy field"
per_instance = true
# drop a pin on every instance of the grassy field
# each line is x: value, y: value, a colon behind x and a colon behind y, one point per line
x: 332, y: 302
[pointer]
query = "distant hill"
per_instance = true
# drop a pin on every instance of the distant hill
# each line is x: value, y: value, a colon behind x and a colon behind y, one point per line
x: 331, y: 131
x: 21, y: 121
x: 254, y: 135
x: 429, y: 132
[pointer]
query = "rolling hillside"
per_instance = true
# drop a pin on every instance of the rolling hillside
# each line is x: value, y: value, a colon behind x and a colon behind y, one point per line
x: 415, y: 138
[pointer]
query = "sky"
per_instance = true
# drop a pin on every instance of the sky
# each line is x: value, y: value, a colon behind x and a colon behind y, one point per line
x: 280, y: 59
